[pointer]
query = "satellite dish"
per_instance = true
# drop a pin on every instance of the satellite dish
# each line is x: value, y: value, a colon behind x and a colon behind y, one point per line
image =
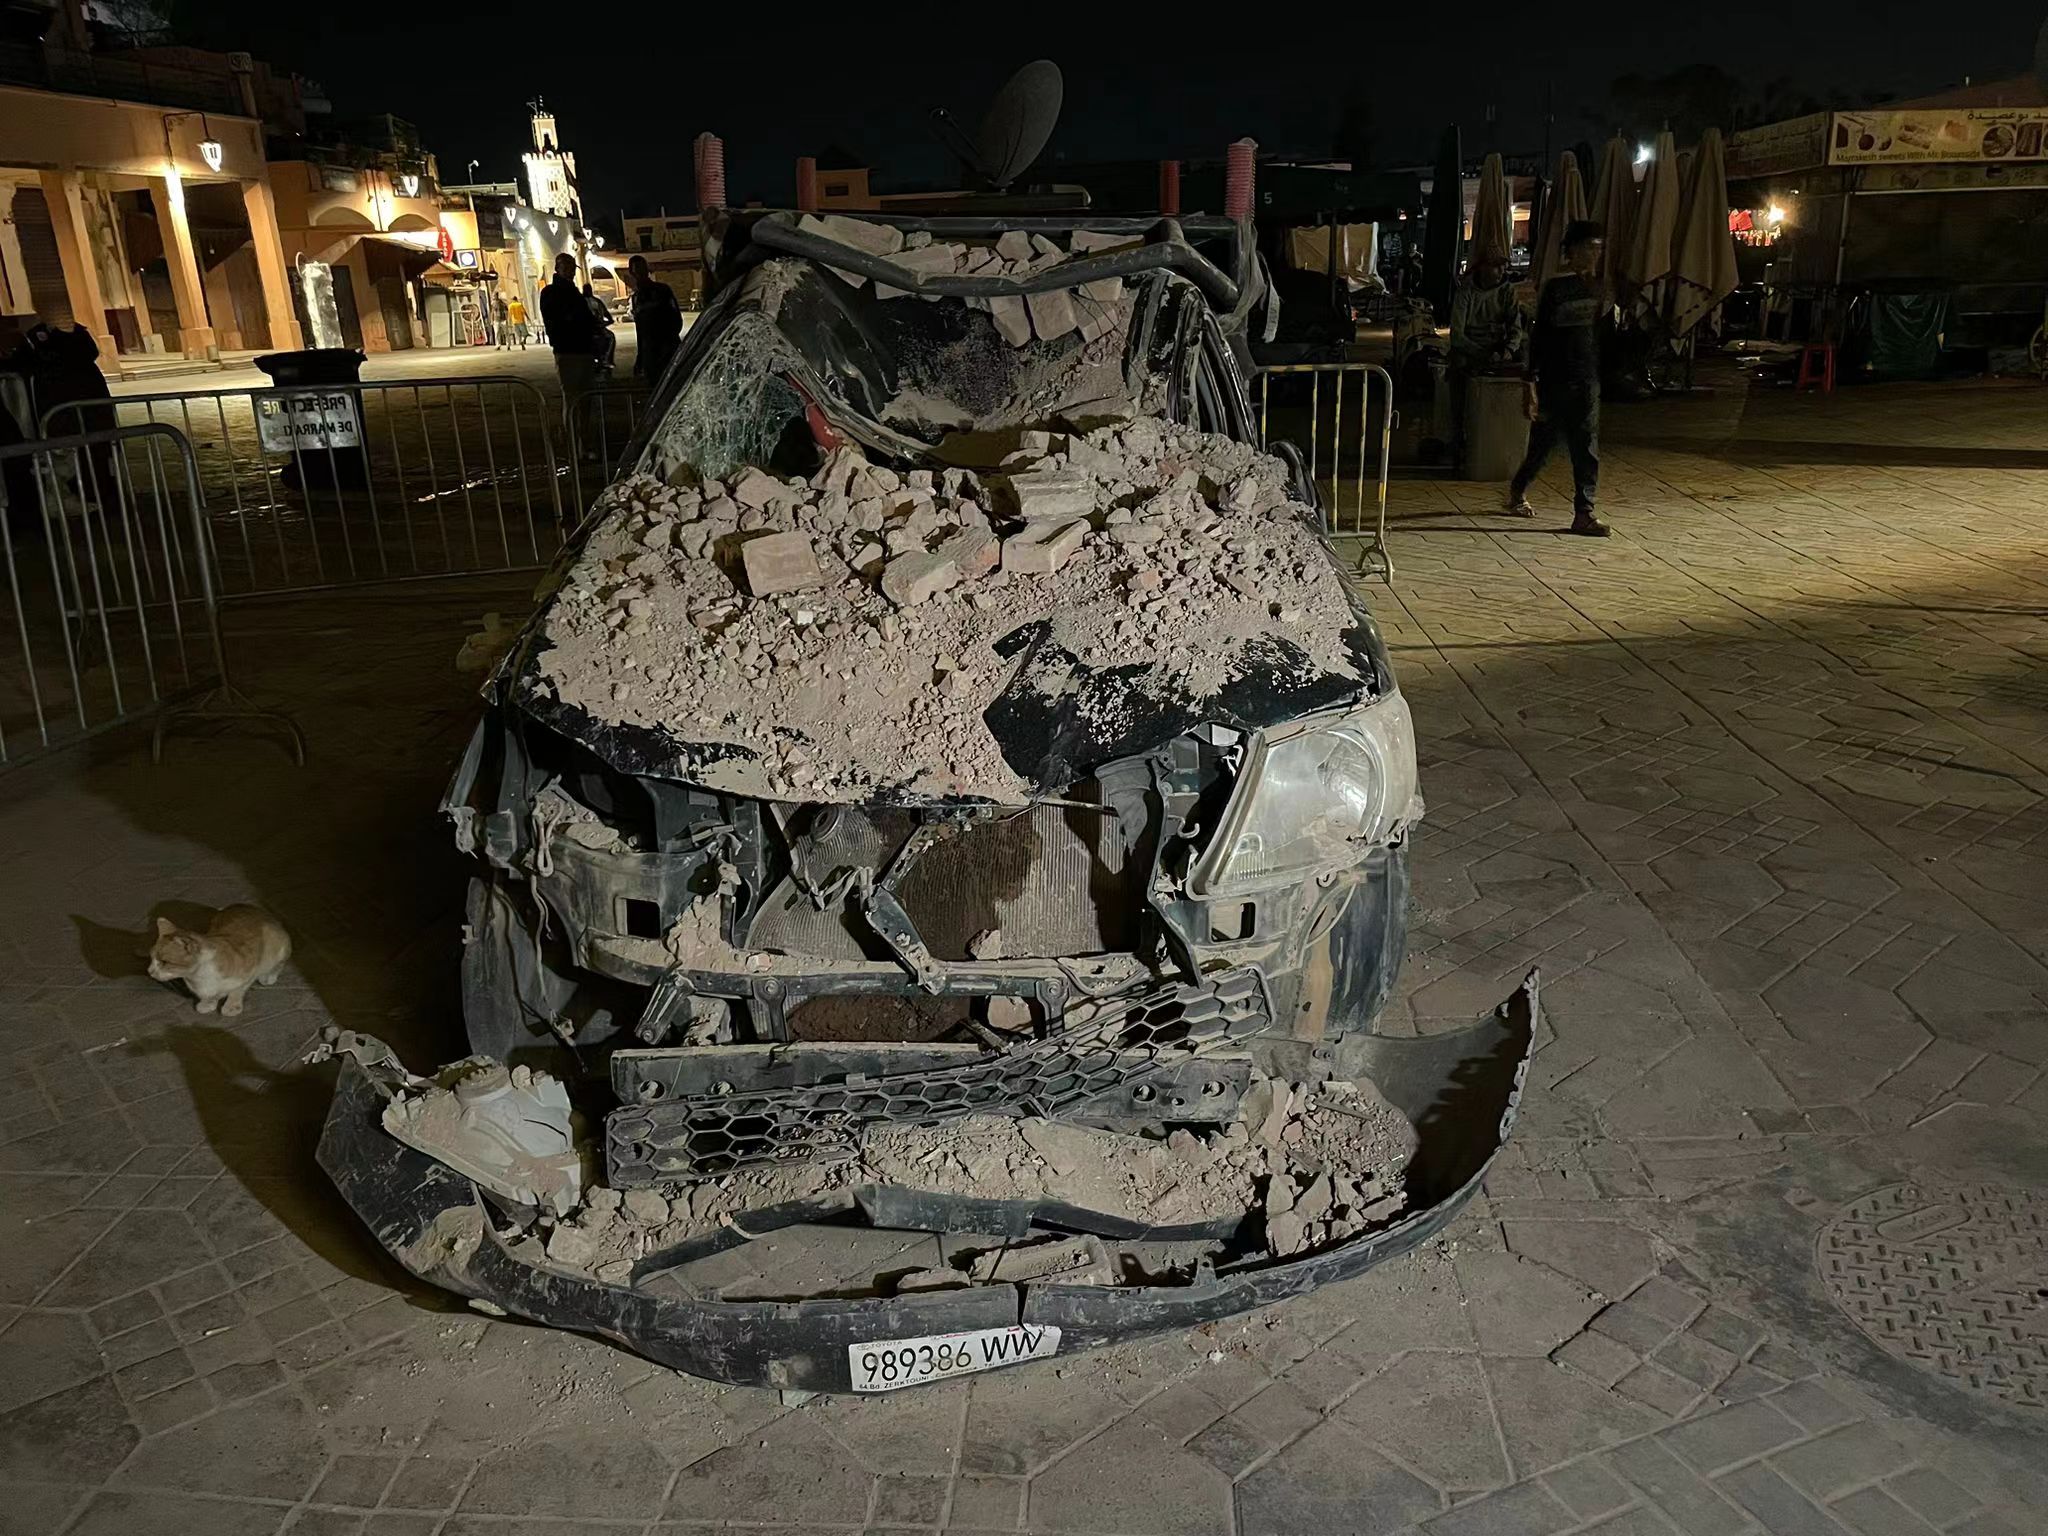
x: 1014, y: 129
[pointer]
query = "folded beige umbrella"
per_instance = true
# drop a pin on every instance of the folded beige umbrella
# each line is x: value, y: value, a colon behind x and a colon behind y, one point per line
x: 1646, y: 266
x: 1614, y: 203
x: 1565, y: 205
x: 1491, y: 234
x: 1703, y: 257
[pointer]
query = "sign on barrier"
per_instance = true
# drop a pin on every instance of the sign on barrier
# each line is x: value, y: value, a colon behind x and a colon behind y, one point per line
x: 310, y: 486
x: 289, y: 423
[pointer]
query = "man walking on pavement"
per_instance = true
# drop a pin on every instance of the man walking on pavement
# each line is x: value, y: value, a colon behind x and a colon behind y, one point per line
x: 1564, y: 379
x: 575, y: 336
x: 657, y: 321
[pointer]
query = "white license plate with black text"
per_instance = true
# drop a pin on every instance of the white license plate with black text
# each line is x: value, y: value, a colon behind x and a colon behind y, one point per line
x: 887, y: 1364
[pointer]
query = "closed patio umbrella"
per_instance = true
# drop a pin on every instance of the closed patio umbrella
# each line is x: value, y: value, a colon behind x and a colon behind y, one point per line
x: 1613, y: 207
x: 1491, y: 232
x: 1646, y: 267
x: 1566, y: 205
x: 1703, y: 257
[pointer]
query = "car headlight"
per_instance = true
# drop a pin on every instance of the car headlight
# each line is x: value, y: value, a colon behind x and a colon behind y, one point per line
x: 1314, y: 795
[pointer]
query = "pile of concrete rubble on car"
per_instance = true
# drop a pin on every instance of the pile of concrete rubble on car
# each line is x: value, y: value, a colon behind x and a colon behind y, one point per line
x: 1089, y: 309
x: 842, y: 630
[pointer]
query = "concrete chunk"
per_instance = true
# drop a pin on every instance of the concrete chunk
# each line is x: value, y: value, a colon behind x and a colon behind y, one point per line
x: 1052, y: 313
x: 780, y: 562
x: 1104, y: 290
x: 1060, y: 493
x: 1014, y: 245
x: 1043, y: 547
x: 876, y: 239
x: 973, y: 551
x: 1094, y: 318
x: 1098, y: 240
x: 756, y: 488
x: 912, y: 579
x: 1012, y: 319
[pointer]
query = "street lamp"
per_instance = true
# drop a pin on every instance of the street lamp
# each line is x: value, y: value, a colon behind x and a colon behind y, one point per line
x: 1643, y: 154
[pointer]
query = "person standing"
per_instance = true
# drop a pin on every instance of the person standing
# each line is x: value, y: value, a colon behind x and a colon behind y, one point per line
x: 501, y: 322
x: 1486, y: 335
x: 1564, y: 379
x: 607, y: 343
x: 657, y: 321
x: 575, y: 336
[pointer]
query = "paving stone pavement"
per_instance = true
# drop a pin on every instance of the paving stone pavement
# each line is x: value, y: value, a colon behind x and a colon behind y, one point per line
x: 1759, y: 783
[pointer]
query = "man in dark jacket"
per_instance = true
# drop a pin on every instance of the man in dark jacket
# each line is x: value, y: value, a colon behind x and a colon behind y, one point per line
x: 1564, y: 378
x: 657, y: 321
x: 574, y: 334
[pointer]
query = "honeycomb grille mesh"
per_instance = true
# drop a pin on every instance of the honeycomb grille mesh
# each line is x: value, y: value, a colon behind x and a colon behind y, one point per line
x: 1123, y: 1042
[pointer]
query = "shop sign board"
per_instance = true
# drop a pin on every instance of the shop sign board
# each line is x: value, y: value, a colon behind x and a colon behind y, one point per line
x: 1982, y: 135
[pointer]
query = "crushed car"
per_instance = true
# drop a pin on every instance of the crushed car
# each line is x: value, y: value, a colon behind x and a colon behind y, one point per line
x: 941, y: 845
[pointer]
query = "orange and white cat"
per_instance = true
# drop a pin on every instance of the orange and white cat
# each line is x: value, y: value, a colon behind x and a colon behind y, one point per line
x: 241, y: 946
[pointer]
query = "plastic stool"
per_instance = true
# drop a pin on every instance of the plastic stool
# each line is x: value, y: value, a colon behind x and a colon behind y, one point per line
x: 1817, y: 366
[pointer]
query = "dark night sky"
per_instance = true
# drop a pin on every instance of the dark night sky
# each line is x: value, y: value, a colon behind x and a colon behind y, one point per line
x: 632, y: 84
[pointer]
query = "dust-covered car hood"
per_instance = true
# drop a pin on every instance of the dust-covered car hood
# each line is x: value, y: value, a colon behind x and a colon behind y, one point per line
x: 1025, y: 605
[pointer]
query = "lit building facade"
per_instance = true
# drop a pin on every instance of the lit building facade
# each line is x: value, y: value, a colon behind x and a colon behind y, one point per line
x: 146, y: 219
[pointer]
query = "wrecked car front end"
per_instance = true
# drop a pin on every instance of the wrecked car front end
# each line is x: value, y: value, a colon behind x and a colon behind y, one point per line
x: 947, y: 793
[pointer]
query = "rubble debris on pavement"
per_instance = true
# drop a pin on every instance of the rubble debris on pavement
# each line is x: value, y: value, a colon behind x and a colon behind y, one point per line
x: 841, y: 632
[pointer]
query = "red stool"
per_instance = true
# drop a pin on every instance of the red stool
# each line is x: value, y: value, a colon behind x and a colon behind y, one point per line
x: 1817, y: 366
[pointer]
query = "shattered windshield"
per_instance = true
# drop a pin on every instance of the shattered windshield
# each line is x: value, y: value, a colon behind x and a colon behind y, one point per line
x: 738, y: 407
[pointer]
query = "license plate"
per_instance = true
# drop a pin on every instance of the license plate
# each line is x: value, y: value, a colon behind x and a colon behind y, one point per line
x: 888, y: 1364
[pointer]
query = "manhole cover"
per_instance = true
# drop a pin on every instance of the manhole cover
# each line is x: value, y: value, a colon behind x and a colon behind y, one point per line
x: 1953, y: 1278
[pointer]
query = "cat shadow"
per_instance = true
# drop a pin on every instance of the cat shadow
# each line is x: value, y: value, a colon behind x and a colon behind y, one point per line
x: 112, y: 952
x: 264, y: 1123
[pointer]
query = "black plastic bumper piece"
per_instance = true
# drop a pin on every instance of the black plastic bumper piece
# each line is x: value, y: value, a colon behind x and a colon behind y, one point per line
x: 1460, y: 1089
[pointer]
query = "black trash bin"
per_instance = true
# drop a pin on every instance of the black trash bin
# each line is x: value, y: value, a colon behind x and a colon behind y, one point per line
x: 314, y: 415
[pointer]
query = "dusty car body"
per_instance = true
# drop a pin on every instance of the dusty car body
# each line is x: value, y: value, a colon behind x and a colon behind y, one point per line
x: 1229, y: 868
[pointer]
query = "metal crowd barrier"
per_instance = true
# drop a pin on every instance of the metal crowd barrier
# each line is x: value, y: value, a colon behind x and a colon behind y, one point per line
x: 111, y: 612
x: 1314, y: 416
x: 316, y: 486
x: 601, y: 422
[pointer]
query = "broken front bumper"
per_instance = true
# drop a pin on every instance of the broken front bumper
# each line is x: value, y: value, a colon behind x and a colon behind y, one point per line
x: 1460, y: 1090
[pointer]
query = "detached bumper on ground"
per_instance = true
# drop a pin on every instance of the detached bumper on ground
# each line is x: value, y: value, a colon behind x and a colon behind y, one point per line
x: 1459, y: 1089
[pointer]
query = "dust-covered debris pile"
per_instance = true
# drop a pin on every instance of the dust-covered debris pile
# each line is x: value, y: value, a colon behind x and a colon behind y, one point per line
x: 1310, y: 1163
x: 1089, y: 308
x: 839, y: 632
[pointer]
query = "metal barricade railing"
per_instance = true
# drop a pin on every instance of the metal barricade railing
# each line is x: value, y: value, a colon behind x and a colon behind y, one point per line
x: 601, y: 422
x: 311, y: 486
x: 111, y: 611
x: 1314, y: 417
